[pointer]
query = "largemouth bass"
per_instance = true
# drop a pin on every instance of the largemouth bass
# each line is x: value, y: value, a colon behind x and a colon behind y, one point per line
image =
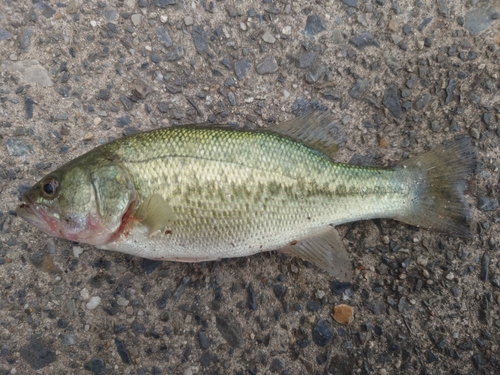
x: 193, y: 193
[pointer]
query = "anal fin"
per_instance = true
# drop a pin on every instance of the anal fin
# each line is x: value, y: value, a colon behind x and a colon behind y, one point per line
x: 325, y: 250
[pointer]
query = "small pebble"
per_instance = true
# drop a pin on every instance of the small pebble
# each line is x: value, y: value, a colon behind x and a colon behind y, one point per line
x: 322, y: 334
x: 487, y: 204
x: 343, y: 314
x: 314, y: 25
x: 319, y: 294
x: 93, y: 302
x: 422, y: 260
x: 122, y: 301
x: 268, y: 37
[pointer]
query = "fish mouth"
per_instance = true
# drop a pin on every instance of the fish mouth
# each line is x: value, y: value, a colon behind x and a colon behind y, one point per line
x: 37, y: 216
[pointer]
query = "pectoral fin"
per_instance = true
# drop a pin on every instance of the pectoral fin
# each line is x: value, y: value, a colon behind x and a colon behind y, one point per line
x: 324, y: 249
x: 155, y: 213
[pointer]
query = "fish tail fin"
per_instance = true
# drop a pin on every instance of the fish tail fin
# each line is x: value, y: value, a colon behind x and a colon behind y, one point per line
x: 438, y: 182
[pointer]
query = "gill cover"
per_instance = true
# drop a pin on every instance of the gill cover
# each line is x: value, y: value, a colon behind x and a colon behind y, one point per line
x: 114, y: 192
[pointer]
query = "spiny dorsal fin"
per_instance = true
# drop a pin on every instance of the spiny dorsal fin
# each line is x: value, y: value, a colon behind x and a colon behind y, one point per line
x: 316, y: 130
x: 155, y: 213
x: 324, y: 249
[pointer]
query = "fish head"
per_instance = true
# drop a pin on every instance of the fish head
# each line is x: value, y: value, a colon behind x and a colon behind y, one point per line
x: 85, y: 201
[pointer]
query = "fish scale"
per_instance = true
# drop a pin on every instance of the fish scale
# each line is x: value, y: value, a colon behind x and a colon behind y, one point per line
x: 249, y: 191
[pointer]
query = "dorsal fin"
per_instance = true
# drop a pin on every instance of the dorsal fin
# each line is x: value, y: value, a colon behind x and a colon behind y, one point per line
x: 316, y: 130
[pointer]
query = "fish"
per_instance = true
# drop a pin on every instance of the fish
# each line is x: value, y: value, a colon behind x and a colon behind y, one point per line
x: 202, y: 193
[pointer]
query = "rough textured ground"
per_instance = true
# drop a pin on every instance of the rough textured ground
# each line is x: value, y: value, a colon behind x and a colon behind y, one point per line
x: 400, y: 76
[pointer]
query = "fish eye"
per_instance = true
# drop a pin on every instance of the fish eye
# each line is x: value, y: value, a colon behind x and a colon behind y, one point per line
x: 50, y: 188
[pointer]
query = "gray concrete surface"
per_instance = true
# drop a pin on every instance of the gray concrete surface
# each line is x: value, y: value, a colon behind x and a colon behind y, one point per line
x: 400, y: 76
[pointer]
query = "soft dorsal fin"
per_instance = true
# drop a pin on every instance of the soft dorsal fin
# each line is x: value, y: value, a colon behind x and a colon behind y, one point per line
x: 316, y: 130
x: 155, y: 213
x: 324, y: 249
